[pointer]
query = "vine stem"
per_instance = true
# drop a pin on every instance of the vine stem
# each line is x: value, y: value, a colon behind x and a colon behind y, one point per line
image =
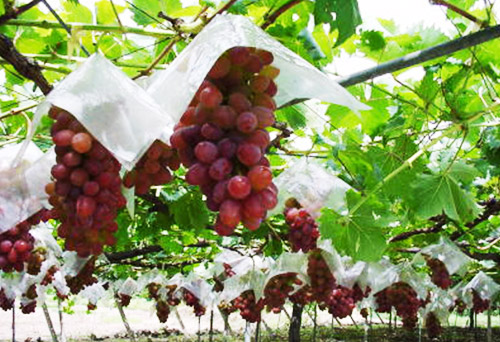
x: 408, y: 162
x: 94, y: 27
x: 158, y: 59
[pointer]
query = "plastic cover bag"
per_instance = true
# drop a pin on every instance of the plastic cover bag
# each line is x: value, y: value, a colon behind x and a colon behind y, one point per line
x: 440, y: 304
x: 352, y: 271
x: 24, y: 172
x: 298, y: 79
x: 448, y: 253
x: 333, y: 259
x: 420, y: 282
x: 93, y: 293
x: 378, y: 276
x: 202, y: 290
x: 42, y: 234
x: 312, y: 186
x: 128, y: 287
x: 485, y: 287
x: 114, y: 109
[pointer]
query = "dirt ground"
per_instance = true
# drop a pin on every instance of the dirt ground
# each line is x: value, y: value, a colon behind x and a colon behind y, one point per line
x: 105, y: 322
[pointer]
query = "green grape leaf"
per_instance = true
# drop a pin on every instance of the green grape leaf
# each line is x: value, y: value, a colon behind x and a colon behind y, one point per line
x: 190, y: 212
x: 437, y: 194
x: 347, y: 16
x: 294, y: 115
x: 359, y: 234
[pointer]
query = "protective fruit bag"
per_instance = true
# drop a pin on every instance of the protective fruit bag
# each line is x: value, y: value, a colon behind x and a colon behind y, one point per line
x: 117, y: 112
x: 24, y: 171
x: 298, y: 79
x: 312, y: 185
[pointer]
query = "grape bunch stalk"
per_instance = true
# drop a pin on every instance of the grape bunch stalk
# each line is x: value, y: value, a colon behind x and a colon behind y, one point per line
x: 86, y: 192
x: 222, y: 138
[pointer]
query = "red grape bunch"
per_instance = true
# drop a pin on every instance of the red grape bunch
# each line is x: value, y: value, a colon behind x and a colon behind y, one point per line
x: 124, y: 299
x: 339, y: 302
x: 194, y: 302
x: 86, y: 192
x: 250, y: 308
x: 303, y: 229
x: 152, y: 168
x: 16, y: 244
x: 404, y: 299
x: 439, y: 273
x: 433, y: 325
x: 28, y: 300
x: 6, y: 303
x: 278, y: 289
x: 83, y: 279
x: 478, y: 304
x: 303, y: 296
x: 322, y: 279
x: 358, y: 294
x: 222, y: 139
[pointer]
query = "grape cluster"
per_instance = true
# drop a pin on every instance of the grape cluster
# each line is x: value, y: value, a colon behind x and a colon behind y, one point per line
x: 49, y: 276
x: 162, y: 308
x: 124, y: 299
x: 322, y: 279
x: 250, y: 309
x: 303, y: 296
x: 478, y: 304
x: 404, y: 299
x: 303, y: 229
x: 34, y: 263
x: 84, y: 278
x: 152, y: 168
x: 278, y: 289
x: 364, y: 313
x: 16, y: 244
x: 433, y: 325
x: 439, y: 273
x: 228, y: 270
x: 339, y: 302
x: 460, y: 306
x: 86, y: 193
x: 222, y: 139
x: 5, y: 302
x: 358, y: 294
x: 194, y: 302
x: 28, y: 301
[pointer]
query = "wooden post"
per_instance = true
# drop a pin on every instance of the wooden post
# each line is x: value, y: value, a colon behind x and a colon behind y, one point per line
x: 315, y: 322
x: 257, y: 332
x: 199, y: 328
x: 489, y: 334
x: 62, y: 337
x: 130, y: 333
x: 14, y: 322
x: 49, y: 322
x: 295, y: 323
x: 211, y: 333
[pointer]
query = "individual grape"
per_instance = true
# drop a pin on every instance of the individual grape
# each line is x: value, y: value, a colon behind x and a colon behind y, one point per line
x: 246, y: 122
x: 230, y: 213
x: 206, y: 152
x: 239, y: 55
x: 260, y: 177
x: 210, y: 97
x: 248, y: 154
x: 239, y: 102
x: 72, y: 159
x: 259, y: 83
x: 63, y: 138
x: 220, y: 169
x: 197, y: 174
x: 81, y: 142
x: 265, y: 116
x: 221, y: 68
x: 239, y: 187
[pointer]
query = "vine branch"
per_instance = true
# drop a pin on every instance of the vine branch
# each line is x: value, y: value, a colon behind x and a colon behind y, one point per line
x: 16, y: 11
x: 460, y: 11
x: 422, y: 56
x: 23, y: 65
x: 269, y: 20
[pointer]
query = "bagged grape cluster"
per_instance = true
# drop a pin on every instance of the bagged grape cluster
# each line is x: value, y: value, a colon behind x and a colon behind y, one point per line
x: 194, y: 302
x: 83, y: 278
x: 439, y: 273
x: 86, y: 192
x: 5, y: 302
x: 303, y: 296
x: 16, y: 244
x: 222, y: 138
x: 339, y: 302
x: 303, y: 229
x: 404, y: 299
x: 322, y: 280
x: 478, y: 304
x: 278, y: 289
x: 153, y: 168
x: 433, y: 325
x: 28, y: 300
x: 250, y: 308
